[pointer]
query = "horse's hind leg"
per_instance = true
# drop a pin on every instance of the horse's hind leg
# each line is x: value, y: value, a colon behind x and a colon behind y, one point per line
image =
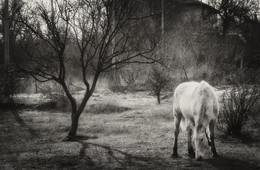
x: 190, y: 148
x: 177, y: 120
x: 211, y: 130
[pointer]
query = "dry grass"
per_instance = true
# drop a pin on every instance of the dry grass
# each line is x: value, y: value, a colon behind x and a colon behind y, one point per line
x: 140, y: 138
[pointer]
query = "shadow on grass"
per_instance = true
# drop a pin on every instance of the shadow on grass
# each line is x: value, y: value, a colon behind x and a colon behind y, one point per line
x: 53, y: 162
x: 246, y: 138
x: 18, y: 118
x: 94, y: 156
x: 100, y: 156
x: 13, y: 108
x: 105, y: 157
x: 229, y: 163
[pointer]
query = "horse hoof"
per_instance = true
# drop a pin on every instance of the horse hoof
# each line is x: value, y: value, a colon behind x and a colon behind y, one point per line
x: 192, y: 155
x: 174, y: 156
x: 199, y: 158
x: 215, y: 156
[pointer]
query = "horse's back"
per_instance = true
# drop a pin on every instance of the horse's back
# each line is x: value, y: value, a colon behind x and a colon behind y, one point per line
x: 190, y: 97
x: 182, y: 96
x: 205, y: 98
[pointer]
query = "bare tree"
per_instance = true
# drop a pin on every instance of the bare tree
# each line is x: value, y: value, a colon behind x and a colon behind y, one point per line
x: 6, y: 45
x: 234, y: 11
x: 157, y: 81
x: 88, y: 24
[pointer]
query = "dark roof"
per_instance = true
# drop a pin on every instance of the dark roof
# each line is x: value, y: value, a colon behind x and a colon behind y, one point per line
x: 195, y: 3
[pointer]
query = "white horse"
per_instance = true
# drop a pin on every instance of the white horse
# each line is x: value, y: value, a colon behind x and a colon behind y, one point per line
x: 196, y: 106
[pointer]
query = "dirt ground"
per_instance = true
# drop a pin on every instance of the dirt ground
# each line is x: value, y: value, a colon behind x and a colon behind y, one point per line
x: 139, y: 137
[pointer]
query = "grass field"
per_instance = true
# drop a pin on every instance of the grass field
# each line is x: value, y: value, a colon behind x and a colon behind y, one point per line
x: 116, y: 131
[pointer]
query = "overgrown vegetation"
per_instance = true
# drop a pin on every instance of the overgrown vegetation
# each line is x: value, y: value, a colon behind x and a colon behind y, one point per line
x: 238, y: 102
x: 89, y: 38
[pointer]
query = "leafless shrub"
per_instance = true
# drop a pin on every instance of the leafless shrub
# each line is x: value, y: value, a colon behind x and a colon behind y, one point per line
x: 157, y: 81
x: 130, y: 77
x: 238, y: 102
x: 131, y: 74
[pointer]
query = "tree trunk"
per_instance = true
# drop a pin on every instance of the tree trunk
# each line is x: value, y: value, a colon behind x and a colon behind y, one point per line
x: 225, y: 25
x: 6, y: 33
x: 36, y: 87
x: 159, y: 98
x: 74, y: 125
x: 162, y: 19
x: 76, y: 111
x: 185, y: 73
x: 6, y: 49
x: 75, y: 114
x: 241, y: 62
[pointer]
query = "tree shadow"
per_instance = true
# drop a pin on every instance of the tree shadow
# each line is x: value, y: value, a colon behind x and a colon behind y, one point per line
x: 13, y: 108
x: 109, y: 156
x: 53, y: 162
x: 105, y: 156
x: 18, y: 118
x: 230, y: 163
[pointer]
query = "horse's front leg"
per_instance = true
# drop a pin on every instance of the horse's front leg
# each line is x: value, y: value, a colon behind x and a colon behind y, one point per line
x: 211, y: 130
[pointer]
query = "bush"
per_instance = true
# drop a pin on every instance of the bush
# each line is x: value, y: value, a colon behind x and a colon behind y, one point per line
x: 157, y: 81
x: 118, y: 88
x: 51, y: 89
x: 56, y: 102
x: 57, y: 99
x: 49, y: 105
x: 136, y: 87
x: 106, y: 108
x: 238, y: 102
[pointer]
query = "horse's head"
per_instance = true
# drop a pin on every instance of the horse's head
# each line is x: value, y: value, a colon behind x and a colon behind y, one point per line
x: 201, y: 144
